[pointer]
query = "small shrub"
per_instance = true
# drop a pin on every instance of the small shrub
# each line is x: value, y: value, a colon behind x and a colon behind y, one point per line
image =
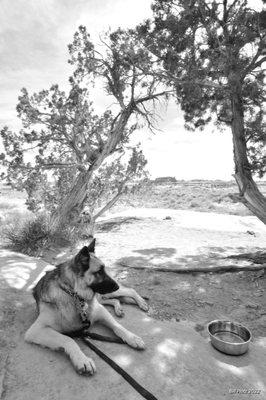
x: 33, y: 234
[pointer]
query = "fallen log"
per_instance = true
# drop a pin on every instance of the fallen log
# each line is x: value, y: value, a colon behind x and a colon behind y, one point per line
x: 184, y: 270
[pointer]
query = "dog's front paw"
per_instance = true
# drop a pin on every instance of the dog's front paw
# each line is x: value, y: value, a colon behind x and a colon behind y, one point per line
x: 119, y: 311
x: 84, y: 365
x: 143, y: 305
x: 135, y: 341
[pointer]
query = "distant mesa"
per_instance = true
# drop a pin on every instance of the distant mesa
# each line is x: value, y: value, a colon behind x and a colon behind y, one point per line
x: 165, y: 179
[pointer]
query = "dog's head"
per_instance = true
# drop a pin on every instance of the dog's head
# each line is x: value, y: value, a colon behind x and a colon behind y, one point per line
x: 91, y: 271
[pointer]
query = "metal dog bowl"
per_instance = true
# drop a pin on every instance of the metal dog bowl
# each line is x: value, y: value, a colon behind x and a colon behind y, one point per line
x: 229, y: 337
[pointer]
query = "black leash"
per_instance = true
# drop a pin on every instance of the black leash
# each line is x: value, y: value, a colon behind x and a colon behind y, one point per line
x: 82, y: 307
x: 84, y: 334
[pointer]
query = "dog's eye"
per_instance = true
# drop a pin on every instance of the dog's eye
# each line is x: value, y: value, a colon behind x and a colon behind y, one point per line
x: 100, y: 272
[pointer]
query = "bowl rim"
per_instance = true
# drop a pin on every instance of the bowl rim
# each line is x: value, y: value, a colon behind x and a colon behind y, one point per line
x: 231, y: 322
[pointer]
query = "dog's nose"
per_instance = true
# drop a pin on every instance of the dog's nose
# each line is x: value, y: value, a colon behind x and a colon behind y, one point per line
x: 107, y: 285
x: 115, y: 287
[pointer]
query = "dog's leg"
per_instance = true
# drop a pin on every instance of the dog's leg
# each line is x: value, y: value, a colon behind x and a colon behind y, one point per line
x: 48, y: 337
x: 114, y: 303
x: 104, y: 317
x: 128, y: 292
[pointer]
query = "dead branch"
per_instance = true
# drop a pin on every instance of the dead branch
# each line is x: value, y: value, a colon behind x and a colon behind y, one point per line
x: 197, y: 270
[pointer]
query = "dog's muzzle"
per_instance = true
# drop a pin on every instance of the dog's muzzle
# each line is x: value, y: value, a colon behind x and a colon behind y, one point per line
x: 107, y: 285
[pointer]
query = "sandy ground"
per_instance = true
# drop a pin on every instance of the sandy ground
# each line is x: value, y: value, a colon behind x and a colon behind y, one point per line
x: 186, y: 233
x: 189, y: 239
x: 179, y: 362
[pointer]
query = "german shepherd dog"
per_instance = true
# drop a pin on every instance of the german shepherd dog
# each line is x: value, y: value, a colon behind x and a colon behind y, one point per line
x: 67, y: 300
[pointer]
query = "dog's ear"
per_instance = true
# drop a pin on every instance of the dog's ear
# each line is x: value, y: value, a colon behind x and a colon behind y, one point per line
x: 84, y: 255
x: 91, y: 247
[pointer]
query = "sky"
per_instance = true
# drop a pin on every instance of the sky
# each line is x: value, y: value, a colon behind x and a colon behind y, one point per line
x: 33, y: 48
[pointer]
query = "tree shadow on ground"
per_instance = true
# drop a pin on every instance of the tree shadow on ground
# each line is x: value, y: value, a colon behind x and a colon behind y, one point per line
x: 175, y: 362
x: 157, y: 252
x: 208, y: 256
x: 115, y: 223
x: 20, y: 271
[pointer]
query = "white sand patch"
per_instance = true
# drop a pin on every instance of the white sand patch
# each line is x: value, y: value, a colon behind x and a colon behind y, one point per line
x: 196, y: 219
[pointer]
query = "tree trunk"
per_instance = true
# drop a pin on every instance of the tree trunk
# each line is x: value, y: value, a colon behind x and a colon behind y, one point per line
x: 69, y: 211
x: 108, y: 205
x: 89, y: 229
x: 251, y: 196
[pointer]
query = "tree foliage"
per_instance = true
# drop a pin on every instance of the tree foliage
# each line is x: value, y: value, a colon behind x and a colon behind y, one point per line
x: 75, y: 151
x: 206, y: 50
x: 113, y: 180
x: 63, y: 149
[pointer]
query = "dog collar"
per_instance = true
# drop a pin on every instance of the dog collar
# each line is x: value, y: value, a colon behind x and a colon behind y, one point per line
x: 80, y: 303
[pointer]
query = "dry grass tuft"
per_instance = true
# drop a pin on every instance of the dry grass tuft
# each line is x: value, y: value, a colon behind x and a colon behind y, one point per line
x: 32, y: 234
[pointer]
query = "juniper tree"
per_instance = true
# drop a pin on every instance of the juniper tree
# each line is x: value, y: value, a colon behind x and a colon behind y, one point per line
x: 68, y: 137
x: 213, y: 53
